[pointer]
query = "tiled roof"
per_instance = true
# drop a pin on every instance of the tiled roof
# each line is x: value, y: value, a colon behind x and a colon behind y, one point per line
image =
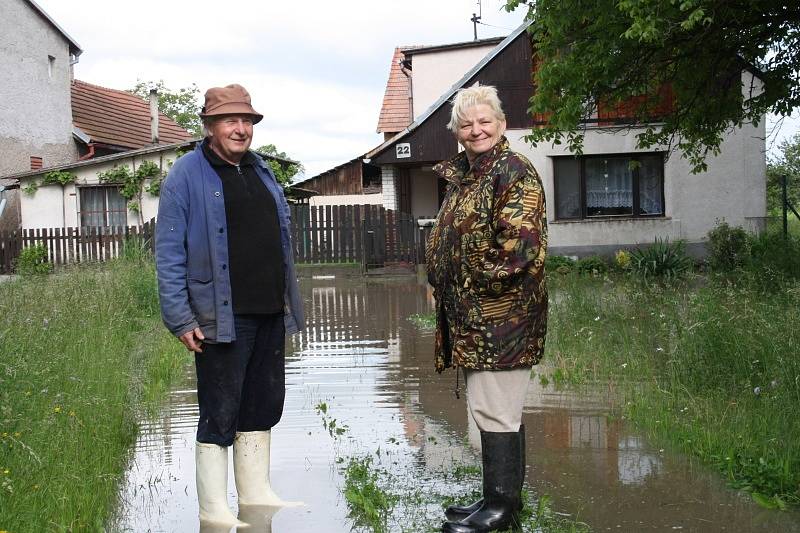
x: 119, y: 118
x: 396, y: 108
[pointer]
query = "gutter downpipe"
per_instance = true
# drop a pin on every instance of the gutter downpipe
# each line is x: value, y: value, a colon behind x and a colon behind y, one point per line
x: 3, y: 201
x: 89, y: 154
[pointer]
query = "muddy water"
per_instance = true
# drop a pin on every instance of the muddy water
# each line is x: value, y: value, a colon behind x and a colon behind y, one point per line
x: 372, y: 369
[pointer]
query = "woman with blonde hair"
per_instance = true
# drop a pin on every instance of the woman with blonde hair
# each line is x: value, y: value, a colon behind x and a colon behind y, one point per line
x: 485, y: 260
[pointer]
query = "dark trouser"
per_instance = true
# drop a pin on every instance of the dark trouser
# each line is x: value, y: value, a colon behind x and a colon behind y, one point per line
x: 241, y: 384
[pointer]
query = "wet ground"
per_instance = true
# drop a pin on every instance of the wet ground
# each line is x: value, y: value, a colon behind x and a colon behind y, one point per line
x: 372, y: 369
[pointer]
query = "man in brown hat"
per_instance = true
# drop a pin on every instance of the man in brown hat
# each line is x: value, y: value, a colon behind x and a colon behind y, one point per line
x: 228, y: 291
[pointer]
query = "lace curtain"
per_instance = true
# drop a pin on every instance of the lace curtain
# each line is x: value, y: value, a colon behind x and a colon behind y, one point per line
x: 102, y: 206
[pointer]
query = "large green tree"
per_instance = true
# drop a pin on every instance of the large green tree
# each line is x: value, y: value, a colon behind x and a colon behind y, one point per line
x: 182, y: 105
x: 284, y: 171
x: 787, y: 165
x: 614, y: 51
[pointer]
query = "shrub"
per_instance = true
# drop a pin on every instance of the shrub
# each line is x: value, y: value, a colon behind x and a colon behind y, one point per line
x: 772, y: 253
x: 33, y: 261
x: 662, y: 259
x: 592, y: 265
x: 559, y: 263
x: 728, y: 247
x: 622, y: 259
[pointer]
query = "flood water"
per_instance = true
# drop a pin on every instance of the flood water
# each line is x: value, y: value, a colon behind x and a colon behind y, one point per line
x: 373, y: 370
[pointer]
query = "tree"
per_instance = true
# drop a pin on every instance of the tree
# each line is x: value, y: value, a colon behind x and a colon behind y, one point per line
x: 181, y: 106
x: 785, y: 165
x: 284, y: 172
x: 595, y: 53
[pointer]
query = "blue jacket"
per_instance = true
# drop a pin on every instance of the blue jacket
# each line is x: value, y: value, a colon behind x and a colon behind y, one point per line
x: 192, y: 251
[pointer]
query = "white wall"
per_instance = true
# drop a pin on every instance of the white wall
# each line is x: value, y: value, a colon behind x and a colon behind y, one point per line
x: 435, y: 72
x: 733, y: 189
x: 347, y: 199
x: 44, y: 209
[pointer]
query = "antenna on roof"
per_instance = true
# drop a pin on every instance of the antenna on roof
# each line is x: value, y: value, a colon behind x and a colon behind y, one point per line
x: 476, y: 19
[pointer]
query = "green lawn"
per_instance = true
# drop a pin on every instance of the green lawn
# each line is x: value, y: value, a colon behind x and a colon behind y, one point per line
x: 82, y: 354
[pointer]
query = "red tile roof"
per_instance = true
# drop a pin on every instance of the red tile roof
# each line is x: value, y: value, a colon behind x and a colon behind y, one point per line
x: 396, y: 108
x: 119, y: 118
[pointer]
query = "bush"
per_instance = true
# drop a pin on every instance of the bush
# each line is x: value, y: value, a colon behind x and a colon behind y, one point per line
x: 559, y: 263
x: 663, y: 259
x: 728, y: 247
x: 770, y: 252
x: 592, y: 265
x: 33, y: 261
x: 622, y: 260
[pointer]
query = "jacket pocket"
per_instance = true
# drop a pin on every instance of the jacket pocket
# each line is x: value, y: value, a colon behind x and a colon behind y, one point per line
x: 201, y: 300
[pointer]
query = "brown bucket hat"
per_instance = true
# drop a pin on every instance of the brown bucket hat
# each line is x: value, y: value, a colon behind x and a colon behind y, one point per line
x: 229, y: 100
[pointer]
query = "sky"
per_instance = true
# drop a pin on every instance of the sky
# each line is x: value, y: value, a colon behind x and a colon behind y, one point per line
x: 316, y: 70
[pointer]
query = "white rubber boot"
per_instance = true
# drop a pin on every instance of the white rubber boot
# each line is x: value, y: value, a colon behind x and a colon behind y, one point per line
x: 212, y: 484
x: 251, y: 470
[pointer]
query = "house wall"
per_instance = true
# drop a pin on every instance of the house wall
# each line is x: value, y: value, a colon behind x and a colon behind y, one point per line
x: 35, y: 115
x: 733, y: 189
x: 435, y: 72
x: 347, y: 199
x: 44, y: 209
x: 424, y: 193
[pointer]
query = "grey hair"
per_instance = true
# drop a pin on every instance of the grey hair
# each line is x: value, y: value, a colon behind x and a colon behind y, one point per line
x: 205, y: 124
x: 470, y: 97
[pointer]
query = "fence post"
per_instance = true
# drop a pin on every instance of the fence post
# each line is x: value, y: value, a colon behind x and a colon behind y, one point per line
x: 785, y: 205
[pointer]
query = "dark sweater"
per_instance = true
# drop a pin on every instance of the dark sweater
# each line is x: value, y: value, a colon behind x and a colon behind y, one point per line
x: 254, y: 237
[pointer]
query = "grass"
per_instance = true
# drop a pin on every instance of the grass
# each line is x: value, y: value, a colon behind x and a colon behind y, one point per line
x: 708, y: 366
x: 82, y: 354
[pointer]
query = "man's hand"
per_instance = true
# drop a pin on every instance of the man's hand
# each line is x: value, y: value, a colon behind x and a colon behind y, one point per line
x: 193, y: 340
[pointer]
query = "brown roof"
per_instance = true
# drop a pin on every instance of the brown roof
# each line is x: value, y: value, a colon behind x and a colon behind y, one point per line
x: 119, y: 118
x: 396, y: 108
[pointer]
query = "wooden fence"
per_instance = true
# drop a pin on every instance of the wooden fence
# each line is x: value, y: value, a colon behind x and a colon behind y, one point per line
x: 71, y: 245
x: 369, y: 235
x: 366, y: 234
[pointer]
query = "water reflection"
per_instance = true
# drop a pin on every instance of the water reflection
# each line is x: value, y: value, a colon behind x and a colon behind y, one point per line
x: 373, y: 371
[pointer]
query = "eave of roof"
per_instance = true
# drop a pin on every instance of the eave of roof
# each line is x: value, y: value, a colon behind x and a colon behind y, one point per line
x: 450, y: 92
x: 453, y: 46
x: 105, y: 159
x: 74, y: 47
x: 130, y: 153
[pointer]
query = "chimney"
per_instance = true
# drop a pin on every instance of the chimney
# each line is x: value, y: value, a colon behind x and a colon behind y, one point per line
x: 154, y: 116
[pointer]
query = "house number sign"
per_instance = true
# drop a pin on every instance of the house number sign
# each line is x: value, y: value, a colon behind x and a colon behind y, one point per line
x: 402, y: 150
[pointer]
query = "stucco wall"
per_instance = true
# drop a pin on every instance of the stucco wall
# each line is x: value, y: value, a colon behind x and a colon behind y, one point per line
x: 436, y: 72
x: 50, y: 207
x: 733, y: 189
x: 35, y: 115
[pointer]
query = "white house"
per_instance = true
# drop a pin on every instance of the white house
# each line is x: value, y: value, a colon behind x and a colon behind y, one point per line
x: 596, y: 202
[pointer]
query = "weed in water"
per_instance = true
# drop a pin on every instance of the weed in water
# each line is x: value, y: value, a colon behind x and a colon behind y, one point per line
x: 369, y: 504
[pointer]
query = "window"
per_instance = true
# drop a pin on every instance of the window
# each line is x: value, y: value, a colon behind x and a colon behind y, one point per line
x: 102, y: 207
x: 609, y: 186
x: 51, y: 62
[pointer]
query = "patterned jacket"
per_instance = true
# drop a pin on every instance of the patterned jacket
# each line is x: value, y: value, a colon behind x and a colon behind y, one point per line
x: 485, y: 261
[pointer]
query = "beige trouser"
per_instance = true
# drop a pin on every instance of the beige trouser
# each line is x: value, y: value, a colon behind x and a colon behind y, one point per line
x: 496, y: 397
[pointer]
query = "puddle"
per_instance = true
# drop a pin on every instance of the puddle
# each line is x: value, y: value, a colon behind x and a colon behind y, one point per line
x: 373, y: 369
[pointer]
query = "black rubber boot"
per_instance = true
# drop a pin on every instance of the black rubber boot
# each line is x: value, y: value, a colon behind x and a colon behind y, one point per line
x: 454, y: 513
x: 502, y: 482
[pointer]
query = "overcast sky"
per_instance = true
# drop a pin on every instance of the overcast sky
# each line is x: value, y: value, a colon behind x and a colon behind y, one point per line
x: 316, y: 69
